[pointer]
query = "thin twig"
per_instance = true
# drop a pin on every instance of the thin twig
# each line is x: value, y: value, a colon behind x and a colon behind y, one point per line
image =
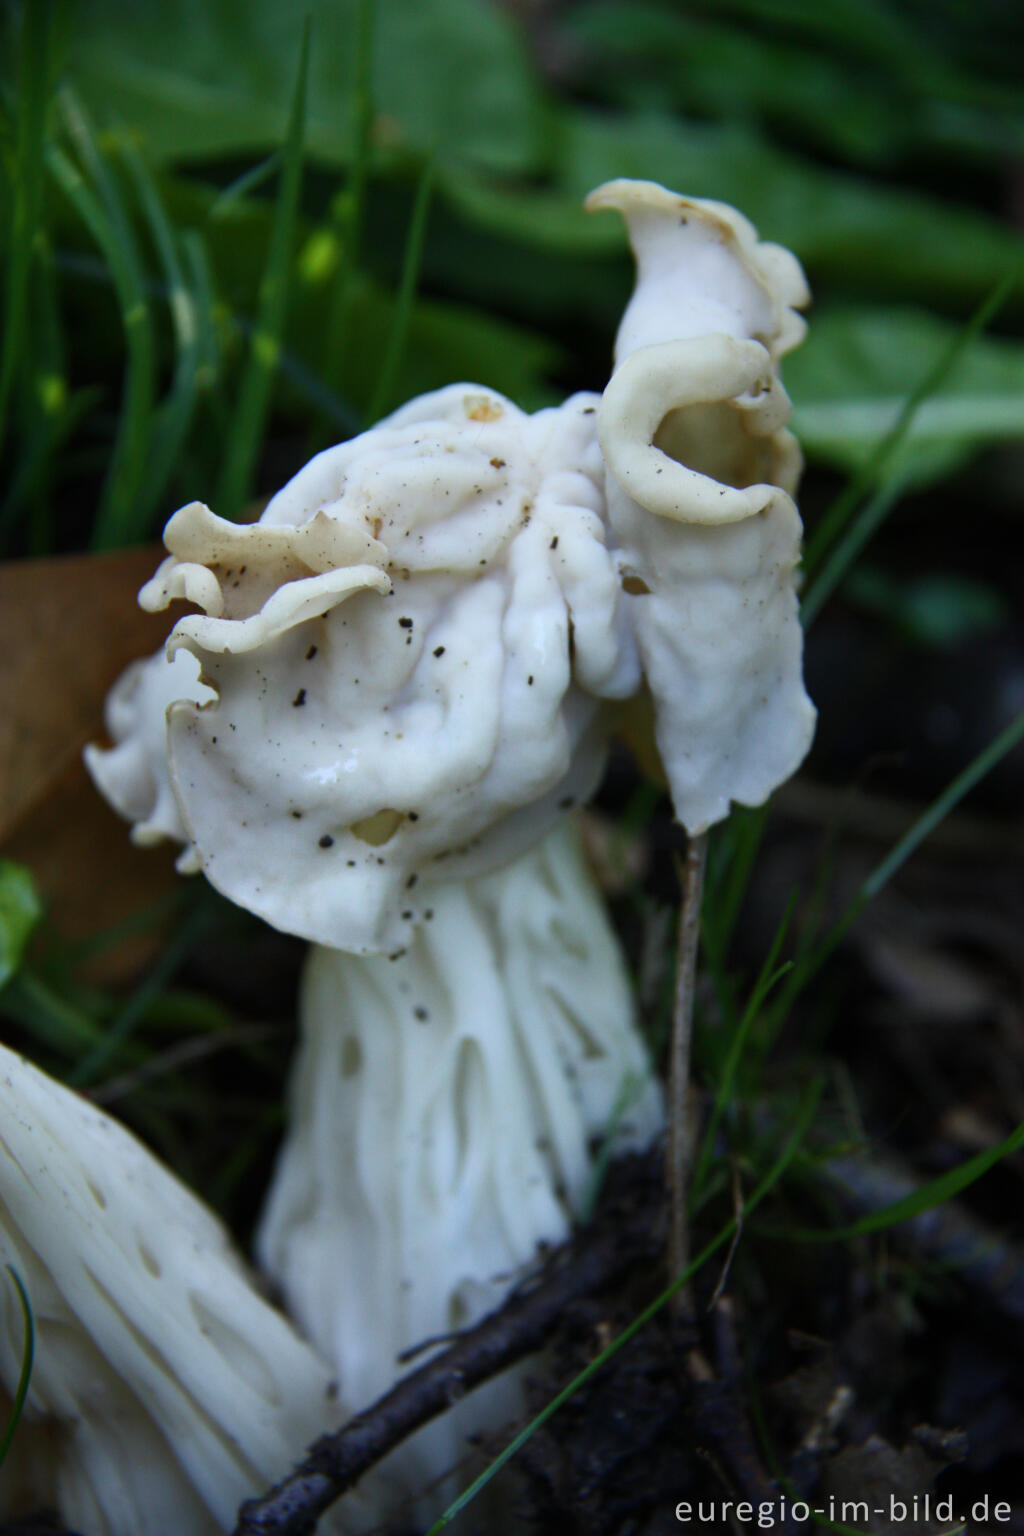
x: 722, y: 1418
x: 628, y: 1231
x: 680, y: 1127
x: 184, y: 1054
x: 721, y: 1427
x: 737, y: 1211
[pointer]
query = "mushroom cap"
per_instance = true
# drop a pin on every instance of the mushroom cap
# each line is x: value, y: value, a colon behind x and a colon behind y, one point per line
x: 133, y: 774
x: 410, y: 654
x: 701, y: 269
x: 700, y: 475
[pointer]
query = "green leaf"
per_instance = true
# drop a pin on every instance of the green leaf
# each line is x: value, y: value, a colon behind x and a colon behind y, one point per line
x: 842, y: 227
x: 200, y: 81
x: 444, y: 342
x: 869, y: 86
x: 937, y: 611
x: 20, y: 911
x: 851, y: 377
x: 840, y: 536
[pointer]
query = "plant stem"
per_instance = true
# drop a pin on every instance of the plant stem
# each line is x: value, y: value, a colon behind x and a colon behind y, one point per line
x: 680, y: 1127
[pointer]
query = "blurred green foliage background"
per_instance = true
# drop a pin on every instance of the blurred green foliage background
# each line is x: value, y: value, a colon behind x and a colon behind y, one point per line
x: 234, y: 231
x: 221, y: 252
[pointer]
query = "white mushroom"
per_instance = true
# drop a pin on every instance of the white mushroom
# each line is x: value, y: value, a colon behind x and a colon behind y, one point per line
x: 412, y: 655
x: 700, y: 478
x: 393, y: 744
x: 164, y: 1389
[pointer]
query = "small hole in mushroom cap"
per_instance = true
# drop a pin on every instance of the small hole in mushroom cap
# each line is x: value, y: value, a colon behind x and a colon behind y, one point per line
x: 635, y: 586
x: 351, y: 1056
x: 377, y: 829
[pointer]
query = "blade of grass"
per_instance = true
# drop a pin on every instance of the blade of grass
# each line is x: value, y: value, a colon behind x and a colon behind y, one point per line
x: 175, y: 414
x: 733, y: 852
x: 249, y: 418
x: 842, y: 556
x: 25, y: 1373
x: 809, y: 965
x: 241, y: 187
x: 802, y: 1121
x: 770, y: 974
x: 54, y: 412
x: 38, y: 460
x: 145, y: 919
x: 50, y: 394
x: 49, y: 1018
x: 121, y: 1028
x: 101, y: 209
x: 113, y: 521
x: 34, y: 71
x: 204, y: 466
x: 116, y: 523
x: 872, y: 470
x: 352, y: 206
x: 201, y: 285
x: 935, y: 1192
x: 412, y: 258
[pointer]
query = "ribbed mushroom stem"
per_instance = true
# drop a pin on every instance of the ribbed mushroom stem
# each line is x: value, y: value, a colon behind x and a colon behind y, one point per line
x: 445, y: 1109
x: 164, y: 1389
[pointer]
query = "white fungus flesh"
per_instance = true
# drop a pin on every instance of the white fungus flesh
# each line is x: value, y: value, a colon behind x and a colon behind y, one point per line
x: 133, y: 775
x: 428, y: 710
x: 700, y: 473
x: 444, y: 1109
x: 383, y: 763
x: 164, y: 1389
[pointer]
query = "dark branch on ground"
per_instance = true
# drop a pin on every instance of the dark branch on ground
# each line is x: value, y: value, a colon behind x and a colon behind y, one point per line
x: 626, y: 1232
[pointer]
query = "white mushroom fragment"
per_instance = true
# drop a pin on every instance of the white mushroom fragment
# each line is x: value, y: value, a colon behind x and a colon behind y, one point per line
x: 700, y: 478
x: 164, y: 1389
